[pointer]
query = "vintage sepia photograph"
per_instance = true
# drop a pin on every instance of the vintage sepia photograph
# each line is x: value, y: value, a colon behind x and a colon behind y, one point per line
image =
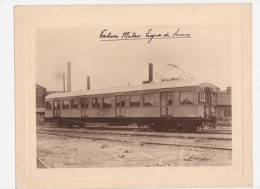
x: 116, y: 96
x: 133, y: 96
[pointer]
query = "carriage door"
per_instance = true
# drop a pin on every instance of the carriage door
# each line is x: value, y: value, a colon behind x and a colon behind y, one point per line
x: 208, y: 102
x: 166, y: 104
x: 84, y: 107
x: 56, y: 108
x: 120, y: 106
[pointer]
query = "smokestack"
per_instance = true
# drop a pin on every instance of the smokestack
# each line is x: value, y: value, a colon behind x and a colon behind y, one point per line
x: 150, y: 72
x: 63, y: 82
x: 68, y: 76
x: 88, y: 83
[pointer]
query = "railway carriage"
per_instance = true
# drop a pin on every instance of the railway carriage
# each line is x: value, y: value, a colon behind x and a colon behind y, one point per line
x: 179, y: 105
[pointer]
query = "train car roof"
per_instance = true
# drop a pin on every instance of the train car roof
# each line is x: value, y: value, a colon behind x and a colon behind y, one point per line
x: 140, y: 87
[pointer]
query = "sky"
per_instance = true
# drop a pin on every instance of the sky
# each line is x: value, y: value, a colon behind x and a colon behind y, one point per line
x: 204, y: 56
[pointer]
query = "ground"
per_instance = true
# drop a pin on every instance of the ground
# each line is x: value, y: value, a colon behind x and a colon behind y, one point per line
x: 63, y: 152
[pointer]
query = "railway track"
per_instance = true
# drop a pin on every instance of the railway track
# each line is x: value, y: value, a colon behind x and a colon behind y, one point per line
x: 135, y: 129
x: 127, y: 140
x: 143, y: 133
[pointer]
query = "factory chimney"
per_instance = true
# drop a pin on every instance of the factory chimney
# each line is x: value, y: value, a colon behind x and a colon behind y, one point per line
x: 88, y: 83
x: 150, y: 72
x: 63, y: 82
x: 68, y: 76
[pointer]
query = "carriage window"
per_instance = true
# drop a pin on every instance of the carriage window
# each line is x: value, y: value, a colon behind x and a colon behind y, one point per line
x: 186, y: 98
x: 213, y: 98
x: 120, y: 101
x: 65, y: 104
x: 75, y: 103
x: 48, y: 105
x: 85, y: 102
x: 135, y: 100
x: 96, y: 102
x: 169, y: 98
x: 107, y: 102
x: 157, y: 99
x: 56, y: 104
x: 202, y: 97
x: 149, y: 100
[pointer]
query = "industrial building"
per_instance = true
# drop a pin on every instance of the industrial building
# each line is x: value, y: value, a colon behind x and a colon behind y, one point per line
x: 224, y: 107
x: 40, y: 102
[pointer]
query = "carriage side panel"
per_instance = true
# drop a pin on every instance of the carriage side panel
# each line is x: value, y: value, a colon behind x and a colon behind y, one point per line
x: 49, y: 109
x: 70, y: 113
x: 153, y: 111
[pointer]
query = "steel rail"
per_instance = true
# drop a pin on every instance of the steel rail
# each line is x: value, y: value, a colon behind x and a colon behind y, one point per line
x: 182, y: 135
x: 141, y: 129
x: 142, y: 142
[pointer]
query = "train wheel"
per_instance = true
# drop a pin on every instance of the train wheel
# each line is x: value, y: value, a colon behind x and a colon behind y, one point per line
x: 194, y: 127
x: 171, y: 127
x: 155, y: 126
x: 59, y: 123
x: 185, y: 127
